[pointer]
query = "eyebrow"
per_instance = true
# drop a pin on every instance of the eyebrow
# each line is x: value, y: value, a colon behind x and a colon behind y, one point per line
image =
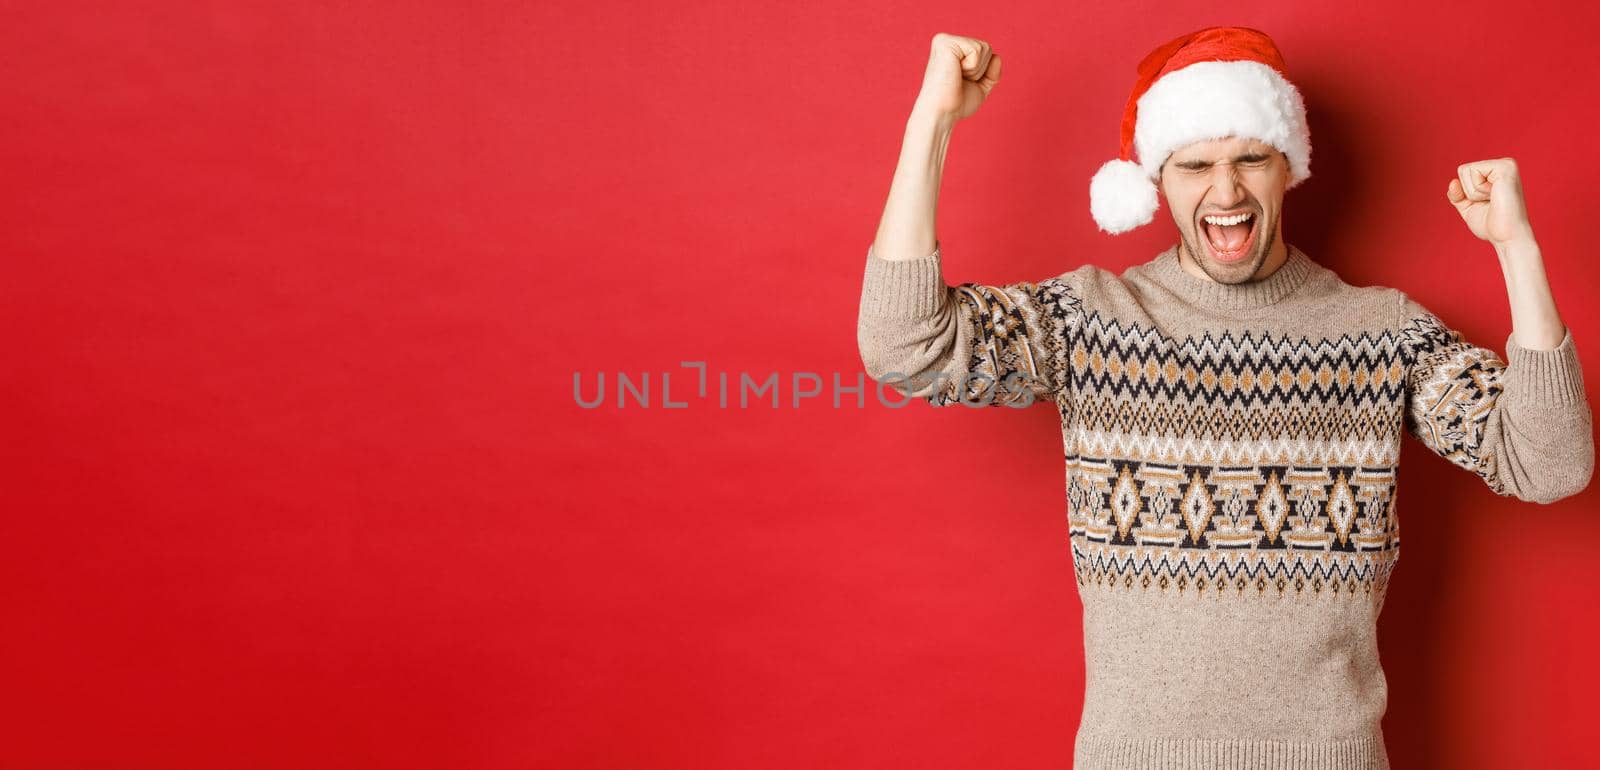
x: 1249, y: 157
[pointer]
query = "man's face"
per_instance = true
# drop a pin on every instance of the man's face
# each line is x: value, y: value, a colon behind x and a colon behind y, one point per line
x: 1205, y: 182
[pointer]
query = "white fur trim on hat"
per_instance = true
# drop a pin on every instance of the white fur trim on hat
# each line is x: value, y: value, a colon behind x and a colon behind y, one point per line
x: 1121, y: 196
x: 1215, y: 99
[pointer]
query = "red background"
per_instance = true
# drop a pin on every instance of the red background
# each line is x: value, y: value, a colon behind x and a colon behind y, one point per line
x: 295, y: 294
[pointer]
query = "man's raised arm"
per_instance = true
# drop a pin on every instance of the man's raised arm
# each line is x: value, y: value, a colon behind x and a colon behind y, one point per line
x: 983, y: 345
x: 1523, y: 421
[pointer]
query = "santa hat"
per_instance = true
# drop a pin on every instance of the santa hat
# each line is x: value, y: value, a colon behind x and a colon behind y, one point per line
x: 1209, y: 84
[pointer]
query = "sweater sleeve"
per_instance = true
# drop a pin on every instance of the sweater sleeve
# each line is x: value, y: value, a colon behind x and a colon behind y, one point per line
x: 1522, y: 423
x: 970, y: 343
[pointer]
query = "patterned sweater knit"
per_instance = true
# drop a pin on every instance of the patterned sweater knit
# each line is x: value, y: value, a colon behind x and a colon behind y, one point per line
x: 1231, y: 455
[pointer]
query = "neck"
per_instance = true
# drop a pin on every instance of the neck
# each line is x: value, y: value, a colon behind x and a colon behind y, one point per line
x: 1279, y: 277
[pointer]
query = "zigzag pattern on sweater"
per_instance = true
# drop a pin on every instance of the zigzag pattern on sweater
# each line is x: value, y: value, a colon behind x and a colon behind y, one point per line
x: 1243, y: 459
x: 1249, y: 462
x: 1246, y: 371
x: 1284, y: 574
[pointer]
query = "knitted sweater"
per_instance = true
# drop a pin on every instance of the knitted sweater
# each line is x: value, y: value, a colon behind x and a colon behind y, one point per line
x: 1231, y: 455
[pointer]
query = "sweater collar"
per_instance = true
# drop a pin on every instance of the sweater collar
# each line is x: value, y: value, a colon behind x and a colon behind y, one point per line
x: 1166, y: 270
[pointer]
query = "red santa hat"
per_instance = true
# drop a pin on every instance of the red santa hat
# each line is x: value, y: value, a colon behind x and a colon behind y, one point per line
x: 1209, y: 84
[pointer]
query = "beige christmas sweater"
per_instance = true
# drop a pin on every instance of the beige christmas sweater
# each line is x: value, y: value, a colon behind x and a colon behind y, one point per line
x: 1230, y: 494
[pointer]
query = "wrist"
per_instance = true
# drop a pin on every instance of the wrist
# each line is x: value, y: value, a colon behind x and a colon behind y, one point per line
x: 1521, y: 247
x: 925, y: 116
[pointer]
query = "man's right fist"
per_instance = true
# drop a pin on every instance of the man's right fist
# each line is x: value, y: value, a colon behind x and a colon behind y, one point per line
x: 961, y: 72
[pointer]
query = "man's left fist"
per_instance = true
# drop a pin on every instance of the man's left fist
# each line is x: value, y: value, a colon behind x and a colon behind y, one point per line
x: 1488, y: 195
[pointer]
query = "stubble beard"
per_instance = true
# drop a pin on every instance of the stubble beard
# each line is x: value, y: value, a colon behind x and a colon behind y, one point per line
x: 1233, y: 272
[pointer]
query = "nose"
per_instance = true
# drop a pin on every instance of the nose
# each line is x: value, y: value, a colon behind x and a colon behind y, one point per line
x: 1225, y: 184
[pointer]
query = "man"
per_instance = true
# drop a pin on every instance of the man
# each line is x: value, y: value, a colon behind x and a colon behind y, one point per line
x: 1231, y: 410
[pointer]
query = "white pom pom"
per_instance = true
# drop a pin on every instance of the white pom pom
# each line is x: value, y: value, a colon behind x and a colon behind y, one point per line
x: 1121, y: 196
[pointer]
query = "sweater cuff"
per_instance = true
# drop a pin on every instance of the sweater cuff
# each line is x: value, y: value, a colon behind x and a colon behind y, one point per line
x: 902, y: 288
x: 1544, y: 378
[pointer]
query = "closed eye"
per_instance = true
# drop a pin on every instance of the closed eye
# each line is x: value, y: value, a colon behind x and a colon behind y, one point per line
x: 1253, y: 160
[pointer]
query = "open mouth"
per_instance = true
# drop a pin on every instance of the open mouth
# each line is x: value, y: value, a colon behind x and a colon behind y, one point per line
x: 1229, y: 238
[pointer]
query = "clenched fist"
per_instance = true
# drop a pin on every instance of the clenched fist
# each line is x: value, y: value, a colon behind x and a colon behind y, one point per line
x: 1488, y: 195
x: 961, y: 73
